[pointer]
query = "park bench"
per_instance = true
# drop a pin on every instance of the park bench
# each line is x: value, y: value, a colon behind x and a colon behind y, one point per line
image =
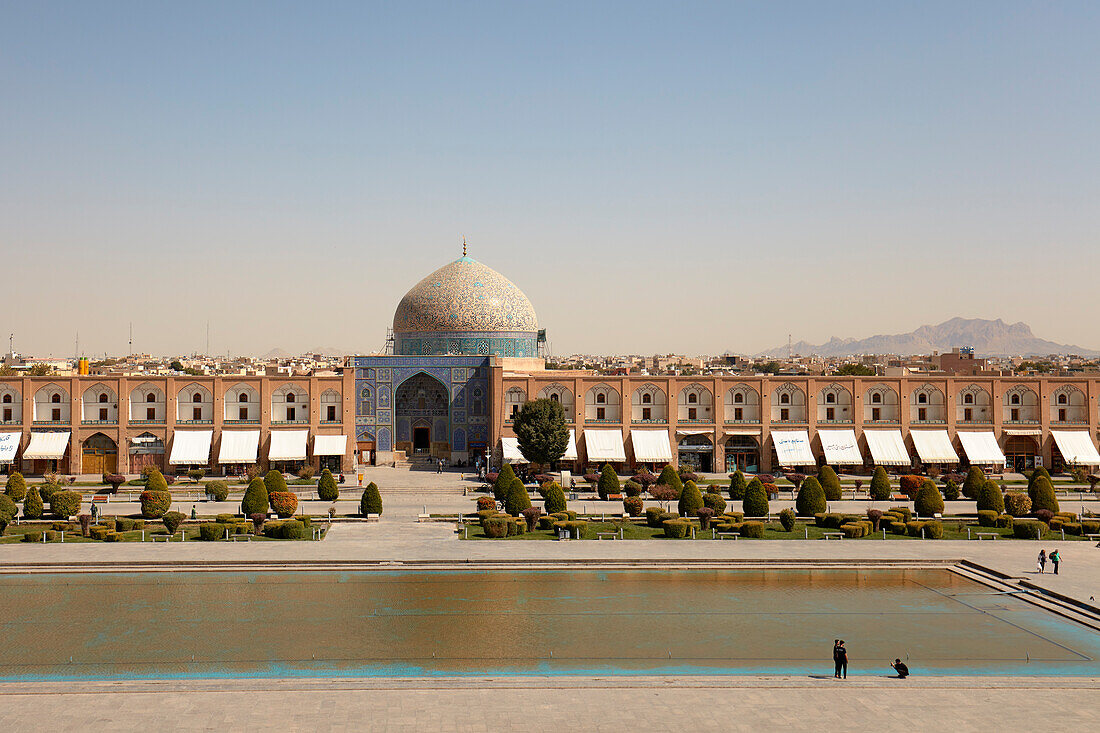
x: 726, y: 535
x: 423, y: 517
x: 607, y: 535
x: 1093, y: 537
x: 373, y: 517
x: 986, y: 535
x: 101, y: 498
x: 162, y: 537
x: 899, y: 497
x: 614, y: 497
x: 832, y: 535
x: 241, y: 537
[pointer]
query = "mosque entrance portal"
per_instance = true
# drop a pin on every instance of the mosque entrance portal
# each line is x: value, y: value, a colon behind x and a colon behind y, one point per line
x: 423, y: 412
x: 422, y: 440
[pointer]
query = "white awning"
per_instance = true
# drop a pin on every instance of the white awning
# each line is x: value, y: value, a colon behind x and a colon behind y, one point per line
x: 47, y: 446
x: 604, y: 445
x: 190, y: 447
x: 1023, y: 431
x: 651, y: 446
x: 511, y: 451
x: 887, y: 447
x: 571, y: 449
x: 742, y: 431
x: 330, y: 445
x: 288, y: 445
x: 9, y: 444
x: 840, y: 447
x: 239, y: 446
x: 982, y: 447
x: 1076, y: 447
x: 694, y: 431
x: 793, y: 448
x: 934, y: 446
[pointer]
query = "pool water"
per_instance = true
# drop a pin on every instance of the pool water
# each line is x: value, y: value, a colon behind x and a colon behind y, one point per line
x: 537, y: 622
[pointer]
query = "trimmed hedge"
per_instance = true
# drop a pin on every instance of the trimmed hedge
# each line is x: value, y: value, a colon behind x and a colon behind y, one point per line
x: 880, y: 485
x: 1042, y: 496
x: 608, y: 483
x: 676, y: 528
x: 898, y: 527
x: 577, y: 528
x: 155, y: 503
x: 1005, y: 521
x: 283, y: 503
x: 990, y: 497
x: 327, y: 489
x: 904, y: 511
x: 752, y: 529
x: 755, y: 503
x: 517, y: 499
x: 987, y: 518
x: 496, y: 526
x: 32, y: 504
x: 714, y: 502
x: 217, y: 490
x: 64, y: 504
x: 786, y: 519
x: 830, y: 483
x: 32, y: 537
x: 1028, y: 529
x: 555, y: 499
x: 371, y: 501
x: 737, y: 486
x: 691, y: 500
x: 975, y: 479
x: 16, y: 487
x: 256, y: 500
x: 933, y: 530
x: 811, y: 498
x: 928, y: 501
x: 274, y: 481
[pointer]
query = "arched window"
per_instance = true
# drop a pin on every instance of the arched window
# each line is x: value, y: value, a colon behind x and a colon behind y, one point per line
x: 102, y: 396
x: 554, y: 397
x: 968, y: 399
x: 692, y: 398
x: 784, y: 399
x: 922, y: 399
x: 151, y: 397
x: 738, y: 398
x: 601, y: 398
x: 830, y: 399
x: 1015, y: 399
x: 647, y: 398
x: 197, y: 397
x: 1063, y: 399
x: 55, y: 398
x: 876, y: 398
x: 290, y: 396
x: 242, y: 397
x: 7, y: 399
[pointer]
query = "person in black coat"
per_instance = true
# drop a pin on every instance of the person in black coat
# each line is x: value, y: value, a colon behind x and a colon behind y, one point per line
x: 840, y: 659
x: 901, y: 668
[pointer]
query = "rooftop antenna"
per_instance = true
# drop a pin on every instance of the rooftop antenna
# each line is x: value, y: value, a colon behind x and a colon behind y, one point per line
x: 131, y: 338
x: 463, y: 245
x: 77, y: 354
x: 208, y: 337
x: 11, y: 344
x: 790, y: 353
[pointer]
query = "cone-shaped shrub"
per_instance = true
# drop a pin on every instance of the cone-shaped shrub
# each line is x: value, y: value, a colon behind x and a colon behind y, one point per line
x: 8, y: 509
x: 975, y: 480
x: 327, y: 490
x: 669, y: 477
x: 504, y: 482
x: 517, y: 500
x: 283, y: 503
x: 990, y: 498
x: 555, y: 499
x: 737, y: 486
x: 371, y: 503
x: 609, y: 482
x: 928, y: 500
x: 880, y: 485
x: 950, y: 490
x: 1038, y: 473
x: 1044, y: 497
x: 155, y: 481
x: 755, y: 503
x: 691, y: 500
x: 811, y: 498
x: 16, y: 487
x: 274, y: 481
x: 153, y: 503
x: 830, y: 482
x: 255, y: 499
x: 32, y: 504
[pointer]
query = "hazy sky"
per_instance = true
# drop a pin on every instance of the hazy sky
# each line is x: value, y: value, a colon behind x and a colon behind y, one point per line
x: 688, y: 177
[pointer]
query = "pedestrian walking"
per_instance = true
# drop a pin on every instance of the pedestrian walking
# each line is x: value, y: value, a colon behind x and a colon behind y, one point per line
x: 841, y: 660
x: 1056, y: 560
x: 439, y: 467
x: 1042, y: 562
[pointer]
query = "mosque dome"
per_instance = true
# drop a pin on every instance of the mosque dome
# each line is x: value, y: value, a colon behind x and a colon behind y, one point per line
x: 465, y: 307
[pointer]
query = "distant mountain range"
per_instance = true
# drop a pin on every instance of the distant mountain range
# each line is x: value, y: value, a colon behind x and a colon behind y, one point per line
x: 989, y: 338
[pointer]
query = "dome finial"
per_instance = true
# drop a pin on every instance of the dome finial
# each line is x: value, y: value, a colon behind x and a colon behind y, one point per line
x: 463, y: 245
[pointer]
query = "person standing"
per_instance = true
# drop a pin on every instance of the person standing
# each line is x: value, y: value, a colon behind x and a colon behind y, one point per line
x: 842, y: 660
x: 836, y: 658
x: 1055, y: 559
x: 1042, y: 562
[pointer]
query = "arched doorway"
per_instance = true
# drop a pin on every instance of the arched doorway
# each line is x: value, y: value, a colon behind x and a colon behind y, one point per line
x: 1020, y: 453
x: 742, y: 454
x: 100, y: 455
x: 697, y: 453
x: 422, y: 416
x: 146, y: 450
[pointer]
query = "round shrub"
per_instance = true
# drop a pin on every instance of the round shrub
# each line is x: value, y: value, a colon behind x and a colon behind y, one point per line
x: 211, y: 531
x: 217, y: 490
x: 811, y: 498
x: 928, y: 501
x: 256, y: 499
x: 8, y: 508
x: 284, y: 503
x: 1005, y: 521
x: 1042, y: 495
x: 48, y: 490
x: 633, y: 505
x: 987, y: 518
x: 880, y: 485
x: 669, y: 477
x: 990, y: 497
x: 691, y: 500
x: 327, y: 490
x: 1028, y: 529
x: 32, y: 504
x: 371, y: 502
x: 830, y: 482
x: 155, y: 503
x: 737, y: 486
x: 172, y: 521
x: 609, y: 482
x: 1017, y: 503
x: 64, y: 504
x: 155, y: 481
x: 486, y: 502
x: 555, y: 499
x: 786, y: 518
x: 16, y: 487
x: 714, y: 501
x: 676, y: 529
x: 756, y: 500
x: 32, y: 537
x: 653, y: 516
x: 910, y: 485
x: 975, y: 480
x: 752, y: 529
x: 632, y: 488
x: 292, y: 529
x: 933, y: 530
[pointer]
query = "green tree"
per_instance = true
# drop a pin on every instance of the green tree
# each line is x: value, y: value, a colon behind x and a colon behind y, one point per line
x: 155, y: 481
x: 517, y: 500
x: 855, y: 370
x: 371, y: 503
x: 669, y: 477
x: 504, y: 482
x: 737, y: 485
x: 1044, y: 497
x: 691, y: 500
x: 16, y: 487
x: 950, y: 490
x: 541, y: 431
x: 975, y: 480
x: 880, y: 485
x: 811, y: 498
x: 609, y: 482
x: 32, y: 504
x: 928, y: 500
x: 176, y: 365
x: 327, y: 490
x: 40, y: 370
x: 990, y: 498
x: 555, y: 499
x: 1036, y: 475
x: 756, y: 500
x: 255, y: 499
x: 274, y: 481
x: 830, y: 482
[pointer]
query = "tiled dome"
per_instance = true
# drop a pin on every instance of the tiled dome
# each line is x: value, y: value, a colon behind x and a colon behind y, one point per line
x: 465, y: 295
